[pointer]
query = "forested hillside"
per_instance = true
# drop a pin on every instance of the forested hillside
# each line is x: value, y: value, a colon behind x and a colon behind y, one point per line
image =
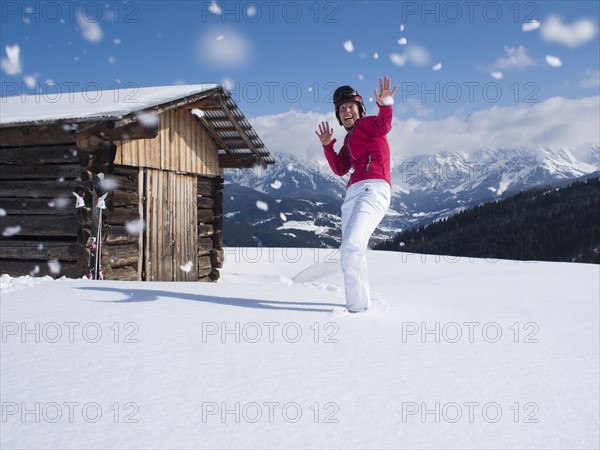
x: 545, y: 224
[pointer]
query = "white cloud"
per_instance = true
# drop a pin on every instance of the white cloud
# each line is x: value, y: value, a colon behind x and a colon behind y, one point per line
x: 574, y: 35
x: 413, y: 106
x: 90, y: 31
x: 515, y: 58
x: 590, y: 79
x: 540, y: 125
x: 294, y: 131
x: 530, y: 26
x: 224, y: 48
x: 553, y: 61
x: 12, y: 65
x: 531, y: 126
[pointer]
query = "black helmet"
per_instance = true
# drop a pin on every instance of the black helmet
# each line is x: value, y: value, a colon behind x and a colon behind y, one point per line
x: 347, y: 94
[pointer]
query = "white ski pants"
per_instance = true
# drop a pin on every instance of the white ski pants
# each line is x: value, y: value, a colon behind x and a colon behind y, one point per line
x: 365, y: 205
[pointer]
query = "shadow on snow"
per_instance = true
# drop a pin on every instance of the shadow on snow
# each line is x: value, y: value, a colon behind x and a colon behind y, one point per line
x: 150, y: 295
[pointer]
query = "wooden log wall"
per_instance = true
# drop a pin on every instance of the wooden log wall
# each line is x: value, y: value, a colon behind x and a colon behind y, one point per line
x: 122, y: 238
x: 210, y: 228
x: 41, y: 232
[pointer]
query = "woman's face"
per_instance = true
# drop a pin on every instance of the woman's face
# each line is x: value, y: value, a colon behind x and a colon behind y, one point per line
x: 349, y: 114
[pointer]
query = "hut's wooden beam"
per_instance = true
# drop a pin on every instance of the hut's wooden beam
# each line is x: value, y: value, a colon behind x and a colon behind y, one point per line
x: 29, y: 135
x: 70, y: 133
x: 94, y: 136
x: 238, y: 127
x: 213, y: 134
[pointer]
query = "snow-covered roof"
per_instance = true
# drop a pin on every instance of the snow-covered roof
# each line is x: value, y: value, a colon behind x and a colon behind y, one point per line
x: 224, y: 121
x: 55, y: 106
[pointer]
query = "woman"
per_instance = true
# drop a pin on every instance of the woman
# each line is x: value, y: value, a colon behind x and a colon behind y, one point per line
x: 367, y: 153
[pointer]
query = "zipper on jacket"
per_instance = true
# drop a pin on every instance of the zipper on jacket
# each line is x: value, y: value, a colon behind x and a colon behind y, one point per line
x: 369, y: 163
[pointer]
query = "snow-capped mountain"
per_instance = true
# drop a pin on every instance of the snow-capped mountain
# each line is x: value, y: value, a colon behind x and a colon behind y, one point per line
x: 297, y: 202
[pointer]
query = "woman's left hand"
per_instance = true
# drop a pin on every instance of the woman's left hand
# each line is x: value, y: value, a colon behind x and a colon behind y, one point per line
x: 385, y: 96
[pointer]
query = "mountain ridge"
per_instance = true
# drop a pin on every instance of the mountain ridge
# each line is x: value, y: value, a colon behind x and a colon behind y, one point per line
x: 298, y: 197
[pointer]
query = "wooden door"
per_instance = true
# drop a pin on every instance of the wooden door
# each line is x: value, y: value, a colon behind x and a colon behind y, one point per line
x: 171, y: 232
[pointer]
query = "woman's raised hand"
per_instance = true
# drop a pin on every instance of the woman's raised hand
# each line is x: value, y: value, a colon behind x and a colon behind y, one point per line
x: 385, y: 96
x: 324, y: 133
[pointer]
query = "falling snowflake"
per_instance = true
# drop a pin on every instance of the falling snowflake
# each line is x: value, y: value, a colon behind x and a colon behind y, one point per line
x: 187, y: 267
x: 135, y: 227
x: 497, y: 75
x: 530, y: 26
x: 399, y: 60
x: 198, y: 113
x: 402, y: 41
x: 437, y: 67
x: 375, y: 55
x: 90, y: 31
x: 2, y: 212
x: 553, y: 61
x: 263, y: 206
x: 54, y: 266
x: 276, y: 184
x: 35, y: 271
x: 282, y: 217
x: 251, y: 11
x: 70, y: 128
x: 30, y: 81
x: 109, y: 184
x: 11, y: 65
x: 147, y: 119
x: 11, y: 231
x: 348, y: 46
x: 62, y: 202
x: 214, y: 8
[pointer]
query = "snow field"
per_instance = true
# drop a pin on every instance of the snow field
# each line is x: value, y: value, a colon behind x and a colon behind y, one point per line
x: 454, y: 353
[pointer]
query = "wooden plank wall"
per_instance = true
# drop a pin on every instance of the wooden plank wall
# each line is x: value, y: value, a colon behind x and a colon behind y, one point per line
x: 171, y: 236
x: 182, y: 145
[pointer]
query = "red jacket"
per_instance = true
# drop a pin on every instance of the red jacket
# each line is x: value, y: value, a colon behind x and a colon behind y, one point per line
x: 365, y: 149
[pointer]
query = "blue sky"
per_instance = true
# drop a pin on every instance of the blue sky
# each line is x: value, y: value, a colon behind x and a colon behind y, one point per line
x: 283, y: 56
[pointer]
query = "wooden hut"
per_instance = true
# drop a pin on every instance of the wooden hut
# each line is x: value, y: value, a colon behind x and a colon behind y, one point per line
x: 162, y: 150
